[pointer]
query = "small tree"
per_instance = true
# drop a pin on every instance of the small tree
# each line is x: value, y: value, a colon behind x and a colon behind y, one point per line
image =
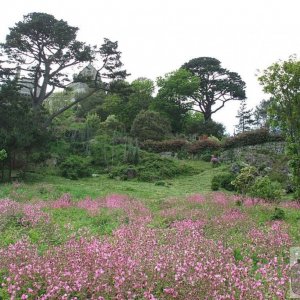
x: 245, y: 118
x: 261, y: 117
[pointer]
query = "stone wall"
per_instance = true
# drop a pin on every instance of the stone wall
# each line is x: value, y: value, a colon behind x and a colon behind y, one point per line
x: 253, y: 152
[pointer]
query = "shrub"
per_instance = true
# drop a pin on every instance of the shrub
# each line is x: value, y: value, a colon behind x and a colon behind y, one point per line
x: 223, y: 180
x: 151, y: 167
x: 253, y: 137
x: 264, y: 188
x: 3, y: 154
x: 75, y: 167
x: 164, y: 146
x: 131, y: 154
x: 215, y: 183
x: 278, y: 214
x: 245, y: 179
x: 204, y: 146
x: 150, y: 125
x: 104, y: 154
x: 123, y: 172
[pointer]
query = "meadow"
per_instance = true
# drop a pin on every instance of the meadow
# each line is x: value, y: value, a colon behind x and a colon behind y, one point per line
x: 100, y: 238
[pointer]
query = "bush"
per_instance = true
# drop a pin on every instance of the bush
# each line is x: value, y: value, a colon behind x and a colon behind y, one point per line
x: 223, y: 180
x: 264, y: 188
x: 75, y: 167
x: 215, y: 183
x: 204, y: 146
x: 245, y: 179
x: 104, y: 154
x: 150, y: 125
x: 253, y: 137
x: 151, y: 168
x: 3, y: 154
x: 164, y: 146
x: 131, y: 154
x: 278, y: 214
x: 123, y: 172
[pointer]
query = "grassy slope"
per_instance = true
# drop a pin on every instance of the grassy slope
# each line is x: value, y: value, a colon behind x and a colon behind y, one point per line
x: 45, y: 187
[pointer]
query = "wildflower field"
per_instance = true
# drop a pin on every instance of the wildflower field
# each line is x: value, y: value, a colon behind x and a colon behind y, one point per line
x: 193, y: 246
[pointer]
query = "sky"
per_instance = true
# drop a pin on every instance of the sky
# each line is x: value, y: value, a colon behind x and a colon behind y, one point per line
x: 158, y: 36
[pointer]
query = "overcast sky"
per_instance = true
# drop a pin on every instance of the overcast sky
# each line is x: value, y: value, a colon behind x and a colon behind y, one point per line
x: 158, y: 36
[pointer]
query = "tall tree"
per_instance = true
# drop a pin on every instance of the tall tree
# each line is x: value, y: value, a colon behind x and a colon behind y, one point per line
x: 217, y: 85
x: 19, y: 130
x: 282, y: 81
x: 261, y: 117
x: 172, y: 99
x: 44, y: 48
x: 245, y: 117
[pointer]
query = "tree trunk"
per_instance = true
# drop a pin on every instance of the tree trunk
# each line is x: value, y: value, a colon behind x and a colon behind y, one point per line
x: 207, y: 115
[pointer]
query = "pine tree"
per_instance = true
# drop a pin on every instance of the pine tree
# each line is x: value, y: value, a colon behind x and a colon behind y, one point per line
x: 245, y: 118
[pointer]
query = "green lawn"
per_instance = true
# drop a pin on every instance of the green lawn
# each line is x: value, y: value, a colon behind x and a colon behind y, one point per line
x: 38, y: 186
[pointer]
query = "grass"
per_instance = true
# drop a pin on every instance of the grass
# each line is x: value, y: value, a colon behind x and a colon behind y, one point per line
x: 51, y: 187
x: 168, y: 204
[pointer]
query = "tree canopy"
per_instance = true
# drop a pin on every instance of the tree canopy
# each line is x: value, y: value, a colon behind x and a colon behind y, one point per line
x: 216, y: 86
x: 44, y: 48
x: 282, y: 81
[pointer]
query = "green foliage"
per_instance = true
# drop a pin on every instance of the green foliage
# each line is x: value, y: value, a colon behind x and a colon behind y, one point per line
x: 75, y: 167
x: 58, y: 49
x: 105, y: 153
x: 245, y: 179
x: 164, y: 146
x: 253, y: 137
x: 216, y: 85
x: 278, y: 214
x: 131, y: 154
x: 3, y: 154
x: 245, y: 117
x: 151, y: 167
x: 215, y: 184
x: 112, y: 124
x: 205, y: 145
x: 180, y: 83
x: 192, y: 121
x: 150, y: 125
x: 19, y: 136
x: 171, y: 100
x: 212, y: 128
x: 264, y: 188
x: 261, y: 117
x: 282, y: 81
x: 223, y: 180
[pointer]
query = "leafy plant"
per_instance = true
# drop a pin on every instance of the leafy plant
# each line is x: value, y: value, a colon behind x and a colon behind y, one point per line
x: 245, y: 179
x: 3, y: 154
x: 264, y: 188
x: 278, y: 214
x: 223, y: 180
x: 75, y: 167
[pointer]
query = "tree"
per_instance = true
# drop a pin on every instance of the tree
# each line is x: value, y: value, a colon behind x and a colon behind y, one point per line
x: 282, y: 81
x: 19, y: 130
x: 245, y: 118
x: 44, y: 48
x: 261, y: 117
x: 216, y: 85
x: 196, y: 125
x: 172, y: 99
x: 150, y: 125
